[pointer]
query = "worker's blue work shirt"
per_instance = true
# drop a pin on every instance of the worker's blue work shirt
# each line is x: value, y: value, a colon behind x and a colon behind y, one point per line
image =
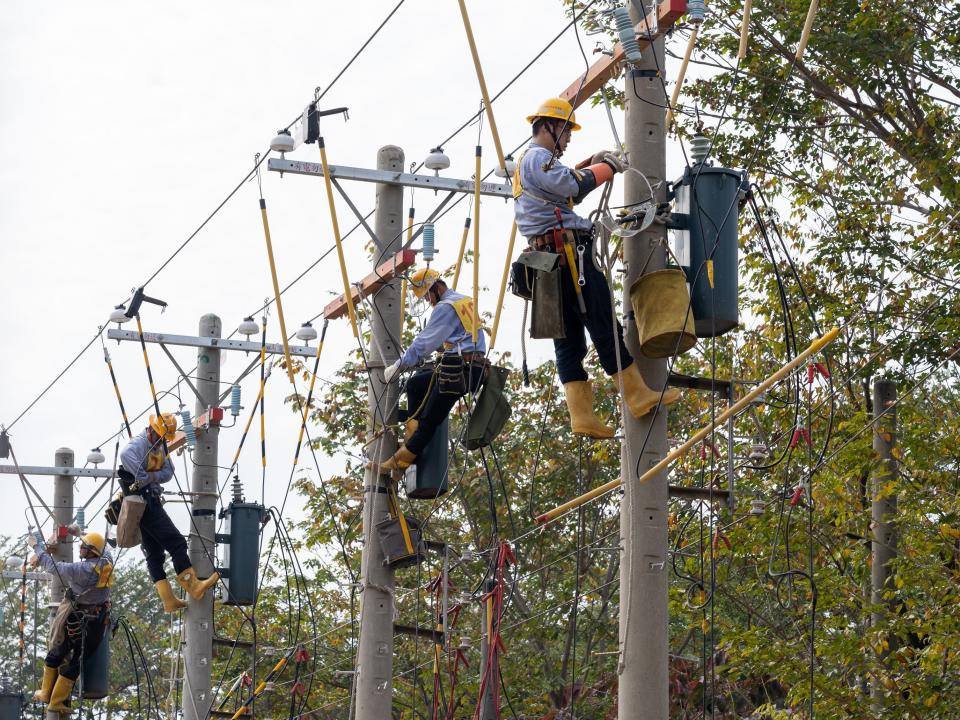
x: 81, y: 577
x: 147, y: 462
x: 543, y: 191
x: 444, y: 326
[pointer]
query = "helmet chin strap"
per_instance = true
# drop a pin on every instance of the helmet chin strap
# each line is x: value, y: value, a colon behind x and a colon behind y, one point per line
x: 557, y: 150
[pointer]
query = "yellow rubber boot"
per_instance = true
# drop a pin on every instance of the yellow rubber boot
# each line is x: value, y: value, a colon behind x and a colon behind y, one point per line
x: 195, y: 587
x: 583, y: 420
x: 171, y: 603
x: 46, y: 685
x: 640, y: 398
x: 401, y: 460
x: 60, y: 696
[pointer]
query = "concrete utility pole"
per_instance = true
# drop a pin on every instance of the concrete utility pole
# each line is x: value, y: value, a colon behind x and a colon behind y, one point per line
x: 488, y: 710
x: 198, y: 642
x: 374, y: 686
x: 643, y: 693
x: 884, y: 539
x: 63, y: 511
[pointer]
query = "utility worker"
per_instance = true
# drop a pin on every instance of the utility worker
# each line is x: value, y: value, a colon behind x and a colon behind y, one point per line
x: 144, y: 466
x: 545, y: 192
x: 82, y: 618
x: 461, y: 367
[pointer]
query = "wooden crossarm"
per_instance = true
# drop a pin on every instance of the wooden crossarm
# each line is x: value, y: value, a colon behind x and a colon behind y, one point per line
x: 608, y: 67
x: 371, y: 283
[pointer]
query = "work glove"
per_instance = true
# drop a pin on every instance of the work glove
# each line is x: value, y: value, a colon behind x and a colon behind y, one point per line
x: 37, y: 536
x: 391, y: 372
x: 617, y: 164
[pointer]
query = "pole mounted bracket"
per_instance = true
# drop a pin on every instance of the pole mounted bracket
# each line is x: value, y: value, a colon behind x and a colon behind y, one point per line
x: 138, y: 299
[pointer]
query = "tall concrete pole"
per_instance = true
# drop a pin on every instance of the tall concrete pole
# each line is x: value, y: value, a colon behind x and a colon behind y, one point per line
x: 63, y: 512
x: 374, y: 686
x: 643, y: 693
x: 884, y: 536
x: 198, y: 635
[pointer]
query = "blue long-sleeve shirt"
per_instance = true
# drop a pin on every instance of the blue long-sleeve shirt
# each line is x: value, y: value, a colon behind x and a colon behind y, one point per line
x: 81, y: 576
x: 443, y: 326
x: 544, y: 190
x: 146, y: 461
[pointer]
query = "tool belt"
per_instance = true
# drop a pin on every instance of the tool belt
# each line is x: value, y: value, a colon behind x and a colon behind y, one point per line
x: 454, y: 372
x: 545, y: 242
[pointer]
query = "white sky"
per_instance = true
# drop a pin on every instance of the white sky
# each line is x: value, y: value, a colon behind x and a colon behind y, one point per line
x: 125, y: 124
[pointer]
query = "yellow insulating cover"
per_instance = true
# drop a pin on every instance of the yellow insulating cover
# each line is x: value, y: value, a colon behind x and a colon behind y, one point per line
x: 661, y: 306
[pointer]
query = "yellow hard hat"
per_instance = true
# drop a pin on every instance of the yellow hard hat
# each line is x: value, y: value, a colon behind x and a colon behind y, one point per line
x: 422, y: 280
x: 165, y: 426
x: 557, y: 108
x: 95, y: 541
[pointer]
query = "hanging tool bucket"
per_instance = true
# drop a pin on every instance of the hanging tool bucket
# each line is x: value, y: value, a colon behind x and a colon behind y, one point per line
x: 427, y: 479
x: 95, y: 672
x: 707, y: 202
x: 491, y: 411
x: 401, y: 549
x: 661, y: 307
x: 242, y: 551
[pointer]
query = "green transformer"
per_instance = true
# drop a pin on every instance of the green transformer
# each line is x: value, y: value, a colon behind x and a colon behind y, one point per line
x: 706, y: 243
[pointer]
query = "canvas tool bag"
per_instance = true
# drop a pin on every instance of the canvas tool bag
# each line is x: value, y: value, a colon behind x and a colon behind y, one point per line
x: 128, y: 524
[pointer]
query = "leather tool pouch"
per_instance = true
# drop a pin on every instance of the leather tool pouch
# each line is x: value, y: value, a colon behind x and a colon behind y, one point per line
x: 524, y: 271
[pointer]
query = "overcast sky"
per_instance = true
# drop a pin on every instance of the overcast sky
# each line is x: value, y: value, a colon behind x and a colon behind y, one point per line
x: 125, y: 124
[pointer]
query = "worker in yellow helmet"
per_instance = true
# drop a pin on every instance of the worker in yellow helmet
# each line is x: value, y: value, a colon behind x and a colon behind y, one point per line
x: 460, y: 368
x: 546, y: 192
x: 82, y: 618
x: 144, y: 466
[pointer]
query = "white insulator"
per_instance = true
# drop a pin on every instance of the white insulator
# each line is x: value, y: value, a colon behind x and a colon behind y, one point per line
x: 248, y: 327
x: 95, y: 457
x: 757, y: 506
x: 511, y: 168
x: 696, y: 11
x: 699, y: 148
x: 465, y: 643
x: 437, y: 160
x: 283, y: 142
x: 758, y: 452
x: 119, y: 315
x: 307, y: 332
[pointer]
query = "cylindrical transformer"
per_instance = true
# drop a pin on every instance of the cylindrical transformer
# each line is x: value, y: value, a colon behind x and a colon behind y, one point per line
x: 11, y: 704
x: 242, y: 551
x: 428, y: 478
x: 708, y: 207
x: 96, y: 675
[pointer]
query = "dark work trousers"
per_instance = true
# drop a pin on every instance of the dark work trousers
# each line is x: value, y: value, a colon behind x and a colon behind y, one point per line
x: 84, y: 631
x: 423, y: 384
x: 159, y: 534
x: 599, y: 322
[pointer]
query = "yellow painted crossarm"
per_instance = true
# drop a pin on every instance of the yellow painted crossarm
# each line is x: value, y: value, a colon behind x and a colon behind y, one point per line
x: 680, y: 451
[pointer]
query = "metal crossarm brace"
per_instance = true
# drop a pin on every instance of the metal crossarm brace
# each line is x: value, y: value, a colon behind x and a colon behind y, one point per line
x: 386, y: 177
x: 209, y: 342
